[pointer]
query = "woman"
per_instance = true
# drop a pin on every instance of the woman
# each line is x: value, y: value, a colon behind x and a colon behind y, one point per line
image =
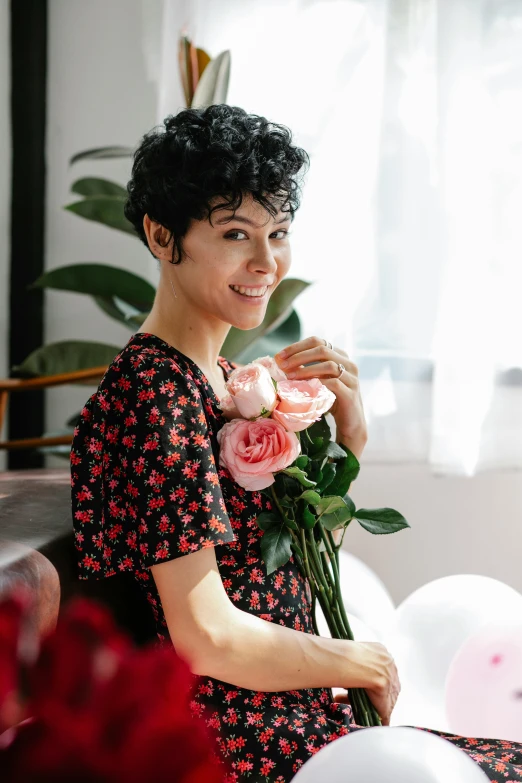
x: 213, y: 197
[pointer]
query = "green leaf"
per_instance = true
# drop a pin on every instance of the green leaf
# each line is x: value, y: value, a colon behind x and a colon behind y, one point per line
x: 300, y: 475
x: 289, y: 522
x: 338, y: 517
x: 96, y: 186
x: 276, y: 547
x: 308, y: 519
x: 100, y: 280
x: 110, y: 307
x: 99, y: 153
x: 212, y: 87
x: 67, y: 356
x: 278, y: 309
x: 286, y: 486
x: 302, y: 461
x: 267, y: 519
x: 309, y: 496
x: 329, y: 503
x: 107, y: 210
x: 380, y: 521
x: 347, y: 471
x: 335, y: 451
x: 349, y: 502
x: 320, y: 429
x: 314, y: 472
x: 328, y: 476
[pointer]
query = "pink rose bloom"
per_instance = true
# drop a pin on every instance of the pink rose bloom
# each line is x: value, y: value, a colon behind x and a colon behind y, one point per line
x: 229, y: 409
x: 252, y: 390
x: 272, y: 366
x: 253, y: 450
x: 301, y: 403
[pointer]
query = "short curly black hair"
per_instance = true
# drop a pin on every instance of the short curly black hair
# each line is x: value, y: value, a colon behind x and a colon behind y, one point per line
x: 218, y: 150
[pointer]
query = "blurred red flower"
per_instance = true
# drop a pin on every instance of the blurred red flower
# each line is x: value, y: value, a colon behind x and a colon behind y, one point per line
x: 100, y: 710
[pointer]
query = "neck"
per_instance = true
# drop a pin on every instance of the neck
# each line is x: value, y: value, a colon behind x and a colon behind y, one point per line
x: 195, y: 333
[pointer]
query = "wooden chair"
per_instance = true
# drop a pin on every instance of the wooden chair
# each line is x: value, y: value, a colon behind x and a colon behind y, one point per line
x: 10, y: 385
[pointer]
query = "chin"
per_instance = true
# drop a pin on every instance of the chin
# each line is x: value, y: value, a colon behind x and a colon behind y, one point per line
x: 247, y: 323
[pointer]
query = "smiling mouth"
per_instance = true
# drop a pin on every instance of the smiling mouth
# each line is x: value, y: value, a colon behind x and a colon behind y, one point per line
x: 254, y: 293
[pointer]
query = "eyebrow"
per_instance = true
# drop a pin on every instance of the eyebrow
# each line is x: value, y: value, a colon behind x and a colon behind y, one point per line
x: 241, y: 219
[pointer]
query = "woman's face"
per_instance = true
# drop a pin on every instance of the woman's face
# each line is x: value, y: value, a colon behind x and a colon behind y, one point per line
x: 233, y: 268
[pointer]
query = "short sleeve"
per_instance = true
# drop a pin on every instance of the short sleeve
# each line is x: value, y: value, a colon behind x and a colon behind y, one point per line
x: 147, y: 488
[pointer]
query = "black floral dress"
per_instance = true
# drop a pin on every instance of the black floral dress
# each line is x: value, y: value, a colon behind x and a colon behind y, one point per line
x: 146, y: 488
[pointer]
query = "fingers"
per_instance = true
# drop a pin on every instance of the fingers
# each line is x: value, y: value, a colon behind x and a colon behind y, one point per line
x: 313, y: 349
x: 326, y: 369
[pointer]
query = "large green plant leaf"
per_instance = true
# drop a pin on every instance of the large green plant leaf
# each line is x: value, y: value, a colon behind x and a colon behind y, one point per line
x: 100, y: 280
x: 98, y: 153
x: 107, y: 210
x: 67, y: 356
x: 213, y: 85
x: 96, y: 186
x: 279, y: 307
x: 120, y: 311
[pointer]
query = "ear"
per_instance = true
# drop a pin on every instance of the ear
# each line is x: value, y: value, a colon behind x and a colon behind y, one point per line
x: 158, y: 239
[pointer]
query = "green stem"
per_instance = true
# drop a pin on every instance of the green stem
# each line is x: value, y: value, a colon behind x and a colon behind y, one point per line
x: 276, y: 501
x: 306, y: 561
x: 337, y: 581
x: 318, y: 576
x: 326, y: 588
x: 334, y: 603
x: 370, y: 714
x: 314, y: 621
x: 355, y: 696
x: 318, y: 565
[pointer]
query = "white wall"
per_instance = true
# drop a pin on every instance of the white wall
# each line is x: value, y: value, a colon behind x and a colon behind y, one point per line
x: 5, y: 191
x: 458, y: 526
x: 99, y: 95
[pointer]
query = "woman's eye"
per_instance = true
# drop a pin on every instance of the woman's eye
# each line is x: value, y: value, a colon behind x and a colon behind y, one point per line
x: 281, y: 231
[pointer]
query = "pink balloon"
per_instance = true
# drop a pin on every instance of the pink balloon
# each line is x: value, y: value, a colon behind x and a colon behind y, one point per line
x: 483, y: 688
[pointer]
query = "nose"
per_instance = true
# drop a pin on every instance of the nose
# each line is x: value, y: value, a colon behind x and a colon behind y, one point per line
x: 263, y: 262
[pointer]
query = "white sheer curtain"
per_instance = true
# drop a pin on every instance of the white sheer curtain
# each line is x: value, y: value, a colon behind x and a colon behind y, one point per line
x: 410, y: 226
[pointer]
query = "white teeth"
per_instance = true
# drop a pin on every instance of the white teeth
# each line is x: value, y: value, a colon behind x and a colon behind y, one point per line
x: 250, y: 291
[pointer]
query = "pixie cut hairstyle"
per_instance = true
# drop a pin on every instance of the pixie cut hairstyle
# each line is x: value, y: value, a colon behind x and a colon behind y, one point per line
x: 201, y: 154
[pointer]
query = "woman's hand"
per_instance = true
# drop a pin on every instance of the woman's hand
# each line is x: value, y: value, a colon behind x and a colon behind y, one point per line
x: 347, y: 409
x: 385, y: 692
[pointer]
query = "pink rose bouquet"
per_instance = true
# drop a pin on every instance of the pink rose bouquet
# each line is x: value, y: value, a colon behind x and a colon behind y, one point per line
x: 277, y: 441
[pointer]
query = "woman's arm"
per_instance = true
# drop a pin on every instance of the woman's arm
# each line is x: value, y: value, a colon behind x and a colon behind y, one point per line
x: 264, y: 656
x: 219, y: 640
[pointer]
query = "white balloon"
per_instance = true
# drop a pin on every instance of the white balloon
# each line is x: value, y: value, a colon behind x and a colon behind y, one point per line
x: 391, y: 754
x: 484, y: 685
x: 430, y: 626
